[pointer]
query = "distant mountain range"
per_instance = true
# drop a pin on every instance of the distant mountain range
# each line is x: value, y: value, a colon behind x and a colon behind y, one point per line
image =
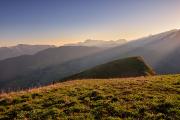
x: 160, y: 51
x: 13, y: 70
x: 100, y: 43
x: 21, y: 49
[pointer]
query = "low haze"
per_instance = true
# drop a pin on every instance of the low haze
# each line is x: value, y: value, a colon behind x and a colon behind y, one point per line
x: 60, y: 22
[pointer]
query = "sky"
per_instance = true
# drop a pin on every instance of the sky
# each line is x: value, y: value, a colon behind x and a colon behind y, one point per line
x: 58, y: 22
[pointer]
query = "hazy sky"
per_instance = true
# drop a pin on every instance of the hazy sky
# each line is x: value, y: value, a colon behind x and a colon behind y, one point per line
x: 63, y: 21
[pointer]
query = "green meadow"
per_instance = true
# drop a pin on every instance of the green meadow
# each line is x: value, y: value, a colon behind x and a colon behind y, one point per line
x: 155, y: 97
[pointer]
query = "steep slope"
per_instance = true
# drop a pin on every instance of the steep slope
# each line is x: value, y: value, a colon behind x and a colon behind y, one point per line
x: 21, y: 49
x: 170, y: 62
x: 128, y: 67
x: 12, y: 68
x: 158, y: 50
x: 141, y: 98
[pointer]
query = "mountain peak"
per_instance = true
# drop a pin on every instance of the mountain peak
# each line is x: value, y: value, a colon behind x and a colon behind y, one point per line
x: 100, y: 43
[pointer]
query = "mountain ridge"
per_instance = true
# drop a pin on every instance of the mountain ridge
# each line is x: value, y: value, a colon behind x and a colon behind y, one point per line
x: 120, y: 68
x: 158, y: 51
x: 99, y: 43
x: 13, y: 69
x: 21, y: 49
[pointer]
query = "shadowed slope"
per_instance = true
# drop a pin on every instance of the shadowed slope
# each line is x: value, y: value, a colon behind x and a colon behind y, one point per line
x: 128, y: 67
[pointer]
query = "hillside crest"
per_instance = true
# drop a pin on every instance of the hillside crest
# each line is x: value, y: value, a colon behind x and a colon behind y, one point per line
x: 127, y: 67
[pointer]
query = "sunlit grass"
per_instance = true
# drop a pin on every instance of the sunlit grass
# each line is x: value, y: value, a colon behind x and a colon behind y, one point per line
x: 155, y: 97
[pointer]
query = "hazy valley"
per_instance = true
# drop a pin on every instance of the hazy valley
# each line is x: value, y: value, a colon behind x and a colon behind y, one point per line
x: 160, y: 51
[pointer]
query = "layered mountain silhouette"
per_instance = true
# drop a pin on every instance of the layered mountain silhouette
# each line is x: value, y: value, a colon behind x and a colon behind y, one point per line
x: 160, y: 51
x: 128, y: 67
x: 21, y: 67
x: 21, y: 49
x: 100, y: 43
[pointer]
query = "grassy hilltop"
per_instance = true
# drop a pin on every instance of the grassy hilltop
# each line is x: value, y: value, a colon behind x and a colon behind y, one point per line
x: 154, y: 97
x: 127, y: 67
